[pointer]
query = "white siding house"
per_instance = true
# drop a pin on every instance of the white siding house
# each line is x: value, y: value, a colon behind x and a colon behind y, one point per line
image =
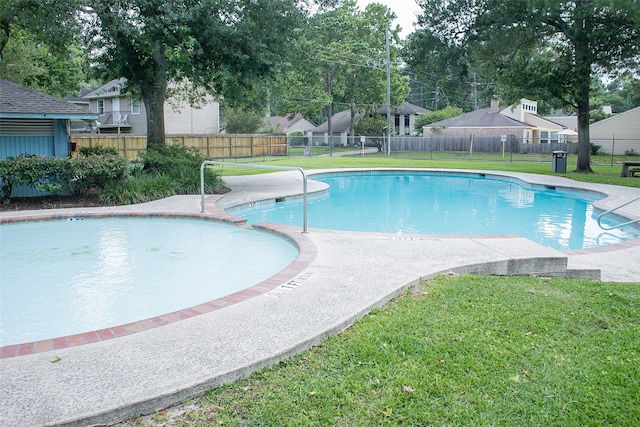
x: 118, y: 112
x: 617, y: 134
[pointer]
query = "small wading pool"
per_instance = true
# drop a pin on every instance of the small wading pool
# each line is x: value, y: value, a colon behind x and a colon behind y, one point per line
x: 449, y: 204
x: 69, y: 276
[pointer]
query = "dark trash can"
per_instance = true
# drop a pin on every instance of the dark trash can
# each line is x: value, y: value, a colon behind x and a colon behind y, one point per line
x: 559, y: 162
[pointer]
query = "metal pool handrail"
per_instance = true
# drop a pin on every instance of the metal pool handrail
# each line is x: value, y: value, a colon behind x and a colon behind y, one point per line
x: 615, y: 209
x: 251, y: 165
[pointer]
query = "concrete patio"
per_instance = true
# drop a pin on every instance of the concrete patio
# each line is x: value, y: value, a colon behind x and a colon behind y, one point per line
x: 344, y: 275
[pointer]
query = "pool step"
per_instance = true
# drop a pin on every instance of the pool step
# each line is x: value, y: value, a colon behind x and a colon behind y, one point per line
x: 533, y: 266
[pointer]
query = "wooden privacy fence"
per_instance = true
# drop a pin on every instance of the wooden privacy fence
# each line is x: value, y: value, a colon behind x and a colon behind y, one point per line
x: 217, y: 146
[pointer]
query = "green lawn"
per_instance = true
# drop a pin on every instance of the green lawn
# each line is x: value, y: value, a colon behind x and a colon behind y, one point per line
x: 466, y: 350
x: 607, y: 171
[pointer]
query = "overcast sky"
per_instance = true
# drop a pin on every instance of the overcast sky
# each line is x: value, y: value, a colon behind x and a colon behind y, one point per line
x: 405, y: 10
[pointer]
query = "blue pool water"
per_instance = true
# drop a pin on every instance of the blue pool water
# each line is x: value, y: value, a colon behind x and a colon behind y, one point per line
x: 64, y: 277
x: 436, y: 203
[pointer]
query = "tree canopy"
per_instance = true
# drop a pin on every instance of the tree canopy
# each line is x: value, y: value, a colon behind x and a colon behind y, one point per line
x: 543, y: 49
x: 40, y: 45
x: 221, y: 47
x: 339, y: 64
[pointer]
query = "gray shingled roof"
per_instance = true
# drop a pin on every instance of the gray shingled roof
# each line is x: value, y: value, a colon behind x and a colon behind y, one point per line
x: 339, y: 122
x: 21, y: 102
x: 109, y: 90
x: 479, y: 118
x: 405, y: 108
x: 284, y: 121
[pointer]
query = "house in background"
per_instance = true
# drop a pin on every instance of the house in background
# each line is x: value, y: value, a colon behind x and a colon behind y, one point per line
x: 404, y: 118
x: 521, y: 120
x: 539, y: 129
x: 617, y: 134
x: 340, y: 123
x: 570, y: 123
x: 118, y: 112
x: 32, y: 122
x: 287, y: 123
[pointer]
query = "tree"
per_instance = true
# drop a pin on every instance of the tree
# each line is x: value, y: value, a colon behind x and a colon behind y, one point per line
x: 222, y: 47
x: 235, y: 120
x: 39, y: 42
x: 340, y: 64
x: 543, y: 48
x: 428, y: 118
x: 365, y: 78
x: 442, y: 74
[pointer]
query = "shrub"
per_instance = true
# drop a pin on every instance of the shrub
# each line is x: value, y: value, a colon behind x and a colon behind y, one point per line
x: 56, y: 175
x: 139, y: 188
x: 97, y: 150
x: 297, y: 138
x: 236, y: 120
x: 144, y: 186
x: 631, y: 152
x: 38, y: 172
x: 166, y: 157
x: 97, y: 171
x: 594, y: 148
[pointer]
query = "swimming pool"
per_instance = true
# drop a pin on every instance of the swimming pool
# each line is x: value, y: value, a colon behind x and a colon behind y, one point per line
x: 448, y: 203
x: 64, y: 277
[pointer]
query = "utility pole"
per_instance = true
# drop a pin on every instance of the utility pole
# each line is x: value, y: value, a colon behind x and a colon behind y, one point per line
x: 386, y: 36
x: 475, y: 92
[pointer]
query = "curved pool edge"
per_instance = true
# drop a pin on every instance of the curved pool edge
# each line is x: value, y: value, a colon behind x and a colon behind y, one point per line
x: 352, y: 273
x: 306, y: 253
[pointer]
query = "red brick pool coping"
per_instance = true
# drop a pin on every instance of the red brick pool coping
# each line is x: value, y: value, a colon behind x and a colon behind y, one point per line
x: 306, y: 254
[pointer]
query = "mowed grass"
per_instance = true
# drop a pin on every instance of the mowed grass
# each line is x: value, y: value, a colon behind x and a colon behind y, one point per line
x: 606, y: 170
x: 454, y: 351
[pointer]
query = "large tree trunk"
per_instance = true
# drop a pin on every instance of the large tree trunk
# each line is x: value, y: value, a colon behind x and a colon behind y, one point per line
x: 584, y: 148
x: 153, y: 95
x: 582, y: 83
x: 329, y: 109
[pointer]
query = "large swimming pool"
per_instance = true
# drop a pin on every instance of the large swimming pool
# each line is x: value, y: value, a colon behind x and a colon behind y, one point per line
x: 452, y: 204
x: 65, y: 277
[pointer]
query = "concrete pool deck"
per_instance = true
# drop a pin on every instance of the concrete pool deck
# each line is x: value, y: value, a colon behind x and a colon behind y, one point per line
x: 341, y: 277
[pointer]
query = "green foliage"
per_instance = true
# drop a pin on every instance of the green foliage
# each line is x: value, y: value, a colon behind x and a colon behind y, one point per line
x: 236, y: 120
x: 596, y: 115
x: 338, y: 63
x: 442, y: 73
x: 38, y: 172
x: 98, y: 171
x: 57, y: 175
x: 39, y: 45
x: 371, y: 125
x: 224, y: 48
x: 139, y: 188
x: 297, y: 138
x: 428, y: 118
x: 166, y: 157
x: 594, y: 148
x: 167, y: 170
x: 631, y: 153
x: 542, y: 50
x: 147, y: 185
x: 97, y: 150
